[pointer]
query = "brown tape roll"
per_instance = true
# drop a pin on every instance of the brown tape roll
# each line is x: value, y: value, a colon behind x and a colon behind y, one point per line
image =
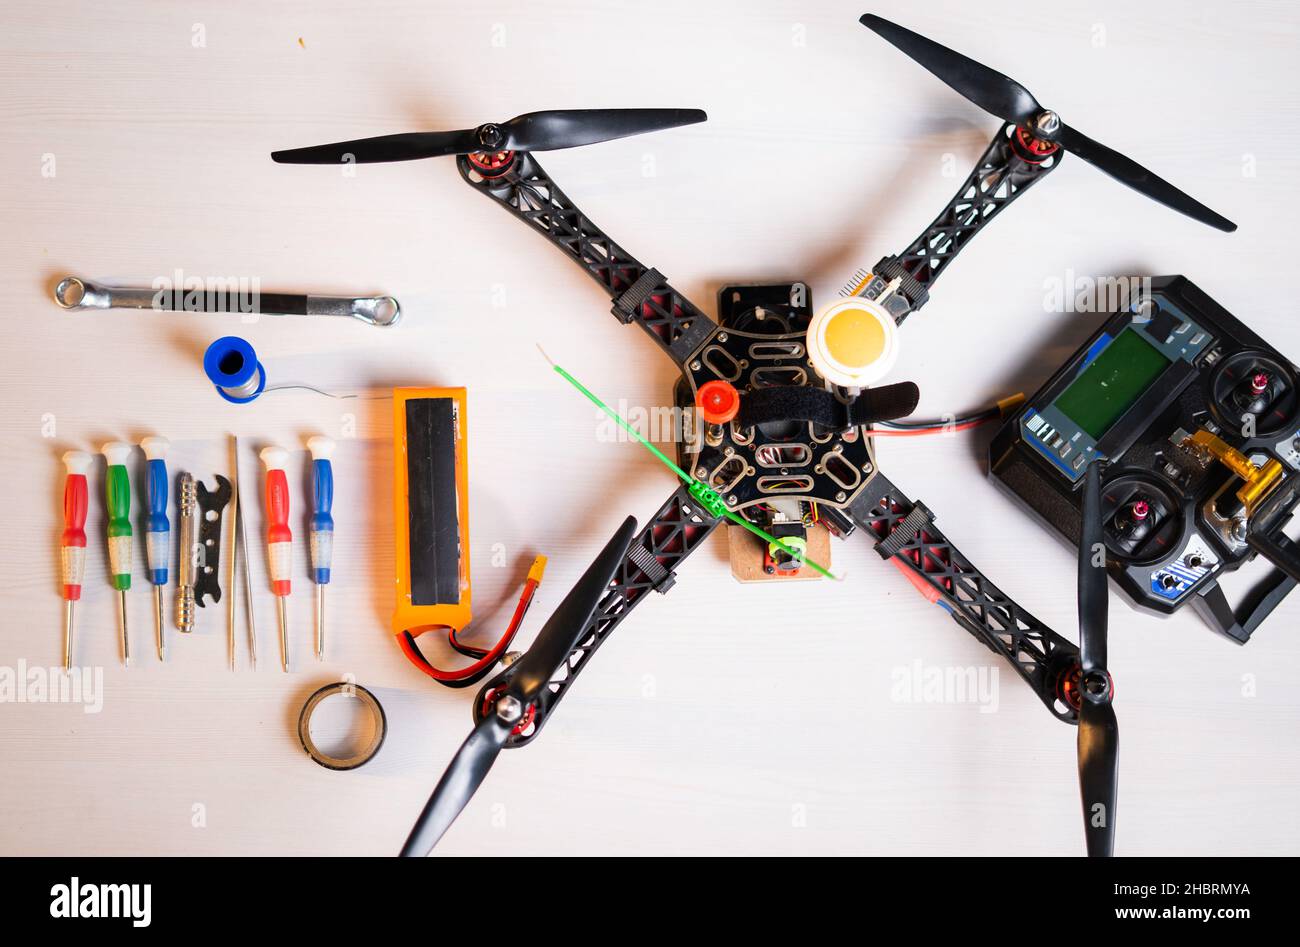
x: 366, y: 754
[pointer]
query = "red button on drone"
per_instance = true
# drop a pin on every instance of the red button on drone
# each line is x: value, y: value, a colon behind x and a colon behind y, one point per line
x: 718, y: 401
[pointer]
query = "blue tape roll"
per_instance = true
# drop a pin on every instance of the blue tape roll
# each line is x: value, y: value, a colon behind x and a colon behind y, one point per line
x: 232, y: 366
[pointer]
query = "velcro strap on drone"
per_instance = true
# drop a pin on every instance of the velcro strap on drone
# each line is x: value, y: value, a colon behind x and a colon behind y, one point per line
x: 801, y: 403
x: 905, y: 531
x: 660, y: 578
x: 628, y: 305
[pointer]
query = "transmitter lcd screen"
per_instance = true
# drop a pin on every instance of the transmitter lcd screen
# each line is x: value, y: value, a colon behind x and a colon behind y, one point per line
x: 1114, y: 380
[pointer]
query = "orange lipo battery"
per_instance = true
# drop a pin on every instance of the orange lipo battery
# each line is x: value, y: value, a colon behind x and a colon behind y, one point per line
x: 431, y: 509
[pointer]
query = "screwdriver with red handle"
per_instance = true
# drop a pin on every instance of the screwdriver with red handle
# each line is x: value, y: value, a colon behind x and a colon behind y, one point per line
x: 279, y: 538
x: 76, y: 500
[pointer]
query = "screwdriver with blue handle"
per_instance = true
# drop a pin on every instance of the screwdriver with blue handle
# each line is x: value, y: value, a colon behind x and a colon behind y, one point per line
x: 322, y: 527
x: 157, y: 536
x: 118, y: 490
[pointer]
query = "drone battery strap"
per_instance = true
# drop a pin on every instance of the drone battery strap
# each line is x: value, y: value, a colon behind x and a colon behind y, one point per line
x: 801, y: 403
x: 661, y: 579
x: 909, y: 528
x: 905, y: 531
x: 629, y: 303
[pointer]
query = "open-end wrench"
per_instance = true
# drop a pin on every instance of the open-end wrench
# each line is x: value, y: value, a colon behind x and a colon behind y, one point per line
x: 74, y: 293
x: 211, y: 504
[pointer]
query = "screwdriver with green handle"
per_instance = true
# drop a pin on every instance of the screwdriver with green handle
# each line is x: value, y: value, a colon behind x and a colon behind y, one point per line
x: 119, y: 532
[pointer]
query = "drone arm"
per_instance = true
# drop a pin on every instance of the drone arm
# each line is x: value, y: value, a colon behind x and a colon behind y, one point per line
x: 676, y: 530
x: 1006, y: 170
x: 640, y: 293
x: 906, y: 535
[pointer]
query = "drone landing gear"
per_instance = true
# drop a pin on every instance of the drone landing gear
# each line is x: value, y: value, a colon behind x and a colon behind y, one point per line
x: 677, y: 529
x: 1013, y: 161
x: 906, y: 534
x: 640, y: 293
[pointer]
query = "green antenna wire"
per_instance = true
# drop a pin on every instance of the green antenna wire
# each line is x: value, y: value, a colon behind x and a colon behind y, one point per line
x: 702, y: 492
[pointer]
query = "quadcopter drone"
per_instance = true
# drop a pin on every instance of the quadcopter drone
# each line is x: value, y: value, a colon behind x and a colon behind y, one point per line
x: 789, y: 418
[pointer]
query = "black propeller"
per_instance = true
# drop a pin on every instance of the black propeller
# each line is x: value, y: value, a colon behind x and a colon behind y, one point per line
x: 527, y: 677
x: 535, y: 131
x: 1098, y: 729
x: 1012, y: 102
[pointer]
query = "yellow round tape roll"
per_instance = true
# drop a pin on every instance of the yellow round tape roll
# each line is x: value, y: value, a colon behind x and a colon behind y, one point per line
x: 853, y: 343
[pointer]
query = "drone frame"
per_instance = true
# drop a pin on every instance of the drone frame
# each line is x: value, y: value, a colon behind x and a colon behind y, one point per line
x: 903, y: 530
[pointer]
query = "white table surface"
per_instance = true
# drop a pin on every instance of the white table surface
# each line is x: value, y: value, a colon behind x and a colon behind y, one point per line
x: 722, y: 718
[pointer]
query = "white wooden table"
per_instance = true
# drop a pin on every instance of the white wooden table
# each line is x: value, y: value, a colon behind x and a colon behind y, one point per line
x: 723, y: 719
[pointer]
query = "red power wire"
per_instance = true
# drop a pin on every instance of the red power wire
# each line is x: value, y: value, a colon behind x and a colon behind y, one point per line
x: 467, y: 675
x: 938, y: 429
